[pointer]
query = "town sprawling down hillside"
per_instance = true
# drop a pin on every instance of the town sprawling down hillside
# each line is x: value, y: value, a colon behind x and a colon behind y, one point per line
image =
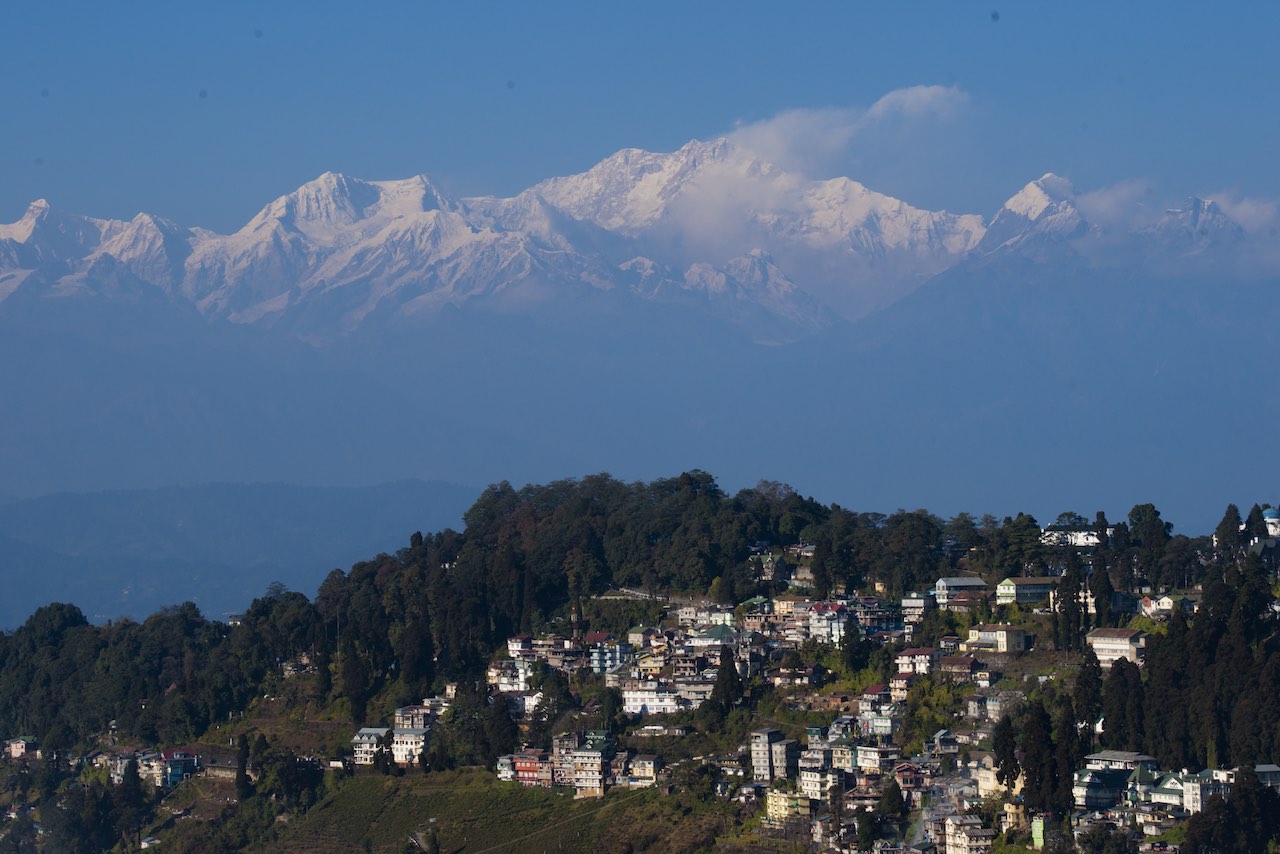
x: 596, y: 665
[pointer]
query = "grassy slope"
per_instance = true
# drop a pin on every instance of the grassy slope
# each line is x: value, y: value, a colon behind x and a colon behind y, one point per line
x: 474, y: 813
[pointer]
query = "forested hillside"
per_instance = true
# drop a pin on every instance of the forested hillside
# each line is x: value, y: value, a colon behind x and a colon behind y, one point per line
x: 395, y: 628
x: 437, y: 608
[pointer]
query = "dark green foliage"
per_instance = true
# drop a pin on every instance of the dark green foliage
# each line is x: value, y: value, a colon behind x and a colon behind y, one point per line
x: 1101, y: 589
x: 728, y: 688
x: 243, y: 787
x: 1069, y: 614
x: 1087, y: 697
x: 1149, y: 535
x: 1039, y: 760
x: 129, y: 803
x: 867, y: 828
x: 1122, y: 707
x: 892, y: 805
x: 79, y: 821
x: 1068, y: 755
x: 556, y: 701
x: 1004, y: 746
x: 855, y: 648
x: 1255, y: 527
x: 1227, y: 537
x: 476, y: 730
x: 1103, y: 840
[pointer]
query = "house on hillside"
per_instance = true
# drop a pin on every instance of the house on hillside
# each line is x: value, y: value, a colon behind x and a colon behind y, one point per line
x: 1025, y: 591
x: 920, y: 660
x: 366, y: 743
x: 22, y: 747
x: 407, y: 744
x: 996, y: 637
x: 1111, y: 645
x: 946, y: 588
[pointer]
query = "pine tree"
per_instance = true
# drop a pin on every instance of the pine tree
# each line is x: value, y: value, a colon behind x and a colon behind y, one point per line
x: 728, y: 688
x: 1087, y: 696
x: 243, y: 789
x: 1004, y: 745
x: 129, y: 802
x: 1067, y: 755
x: 1101, y: 590
x: 1038, y: 759
x: 892, y: 805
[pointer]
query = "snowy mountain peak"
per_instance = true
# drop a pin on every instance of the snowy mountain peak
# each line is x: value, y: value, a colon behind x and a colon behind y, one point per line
x: 22, y: 230
x: 318, y: 207
x: 1043, y: 210
x: 1197, y: 225
x: 1033, y: 199
x: 632, y: 189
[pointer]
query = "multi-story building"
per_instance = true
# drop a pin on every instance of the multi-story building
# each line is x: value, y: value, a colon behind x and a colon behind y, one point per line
x: 1025, y: 591
x: 562, y: 748
x: 786, y: 758
x: 762, y: 741
x: 964, y: 834
x: 779, y: 805
x: 606, y: 656
x: 916, y: 605
x: 995, y: 637
x: 1111, y: 645
x: 651, y: 698
x: 814, y: 767
x: 534, y: 768
x: 1077, y: 536
x: 407, y: 744
x: 945, y: 588
x: 644, y: 770
x: 1122, y: 760
x: 879, y: 759
x: 366, y: 743
x: 589, y: 772
x: 414, y: 716
x: 918, y: 659
x: 510, y: 676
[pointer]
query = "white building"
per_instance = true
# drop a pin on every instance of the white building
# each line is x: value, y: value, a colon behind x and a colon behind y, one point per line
x: 762, y: 741
x: 650, y: 699
x: 964, y: 834
x: 1111, y: 645
x: 407, y: 744
x: 364, y: 744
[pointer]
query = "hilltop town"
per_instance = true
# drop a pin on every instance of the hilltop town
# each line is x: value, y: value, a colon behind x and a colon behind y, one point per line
x: 1040, y: 688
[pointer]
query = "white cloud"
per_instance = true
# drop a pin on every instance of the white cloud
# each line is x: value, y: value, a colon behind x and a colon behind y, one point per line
x: 1123, y: 205
x: 1256, y: 216
x: 912, y: 102
x: 811, y: 140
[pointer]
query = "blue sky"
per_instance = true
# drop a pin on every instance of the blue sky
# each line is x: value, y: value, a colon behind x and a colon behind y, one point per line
x: 203, y: 113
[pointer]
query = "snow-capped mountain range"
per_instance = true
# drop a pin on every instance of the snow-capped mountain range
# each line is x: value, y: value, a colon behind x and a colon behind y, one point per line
x: 709, y: 226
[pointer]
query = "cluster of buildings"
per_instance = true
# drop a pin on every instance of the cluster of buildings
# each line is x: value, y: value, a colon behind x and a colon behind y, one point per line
x: 588, y: 762
x: 1123, y: 784
x: 406, y: 740
x: 162, y: 768
x: 670, y: 669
